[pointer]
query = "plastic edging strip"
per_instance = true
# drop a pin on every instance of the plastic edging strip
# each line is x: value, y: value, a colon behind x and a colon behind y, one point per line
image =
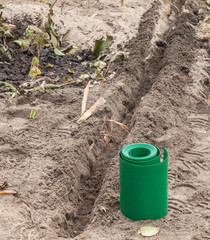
x: 143, y: 182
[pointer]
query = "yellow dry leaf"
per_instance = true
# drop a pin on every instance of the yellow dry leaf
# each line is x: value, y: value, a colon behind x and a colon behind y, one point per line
x: 71, y: 71
x: 90, y: 111
x: 207, y: 30
x: 36, y: 70
x: 91, y: 146
x: 105, y: 134
x: 148, y: 231
x: 48, y: 65
x: 186, y: 11
x: 8, y: 26
x: 123, y: 126
x: 103, y: 209
x: 79, y: 58
x: 84, y: 100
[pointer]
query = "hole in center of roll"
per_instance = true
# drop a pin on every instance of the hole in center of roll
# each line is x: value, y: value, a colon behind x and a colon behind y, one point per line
x: 139, y: 152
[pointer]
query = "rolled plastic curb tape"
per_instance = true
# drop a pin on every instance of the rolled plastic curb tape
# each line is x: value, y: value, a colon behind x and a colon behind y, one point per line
x: 143, y: 182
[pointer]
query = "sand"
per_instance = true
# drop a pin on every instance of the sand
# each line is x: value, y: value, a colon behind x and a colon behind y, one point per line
x: 66, y: 174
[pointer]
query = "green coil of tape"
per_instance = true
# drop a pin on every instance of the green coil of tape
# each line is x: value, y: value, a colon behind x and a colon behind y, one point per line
x: 143, y: 182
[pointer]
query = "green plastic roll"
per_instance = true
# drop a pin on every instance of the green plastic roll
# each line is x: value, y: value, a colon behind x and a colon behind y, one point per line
x: 143, y: 182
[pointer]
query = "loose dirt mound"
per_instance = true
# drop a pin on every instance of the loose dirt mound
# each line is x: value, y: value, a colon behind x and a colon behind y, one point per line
x: 67, y: 173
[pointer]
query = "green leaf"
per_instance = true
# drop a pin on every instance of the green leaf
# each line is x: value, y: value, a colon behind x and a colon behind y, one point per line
x: 35, y: 61
x: 2, y: 29
x: 52, y: 30
x: 102, y: 46
x: 24, y: 43
x: 8, y: 34
x: 6, y: 51
x: 1, y: 6
x: 48, y: 65
x: 18, y: 42
x: 9, y: 89
x: 33, y: 36
x: 84, y: 76
x: 28, y: 32
x: 54, y: 41
x: 68, y: 78
x: 79, y: 58
x: 5, y: 83
x: 58, y: 52
x: 34, y: 70
x: 69, y: 50
x: 52, y: 86
x: 99, y: 64
x: 32, y: 114
x: 148, y: 231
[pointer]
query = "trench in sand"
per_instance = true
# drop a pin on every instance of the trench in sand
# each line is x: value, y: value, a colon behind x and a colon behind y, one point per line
x: 67, y: 185
x: 141, y: 71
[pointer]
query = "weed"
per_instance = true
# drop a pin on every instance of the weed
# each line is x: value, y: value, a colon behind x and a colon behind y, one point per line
x: 34, y: 70
x: 32, y: 114
x: 101, y: 46
x: 4, y: 35
x: 1, y: 18
x: 50, y: 25
x: 39, y: 38
x: 9, y: 89
x: 33, y: 36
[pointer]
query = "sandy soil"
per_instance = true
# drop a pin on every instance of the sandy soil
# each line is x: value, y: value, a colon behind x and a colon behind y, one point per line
x: 160, y: 92
x: 85, y: 21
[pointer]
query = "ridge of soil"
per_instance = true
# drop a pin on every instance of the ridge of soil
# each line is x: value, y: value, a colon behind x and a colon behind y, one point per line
x: 68, y: 175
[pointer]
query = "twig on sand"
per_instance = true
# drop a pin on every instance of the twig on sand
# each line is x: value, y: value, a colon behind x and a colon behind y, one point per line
x: 123, y: 126
x: 3, y: 185
x: 108, y: 66
x: 12, y: 192
x: 33, y: 82
x: 31, y: 214
x: 91, y: 146
x: 91, y: 110
x: 107, y: 138
x: 28, y: 208
x: 84, y: 100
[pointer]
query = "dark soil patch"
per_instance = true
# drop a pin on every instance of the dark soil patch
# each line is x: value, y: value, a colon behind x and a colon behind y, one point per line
x: 17, y: 70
